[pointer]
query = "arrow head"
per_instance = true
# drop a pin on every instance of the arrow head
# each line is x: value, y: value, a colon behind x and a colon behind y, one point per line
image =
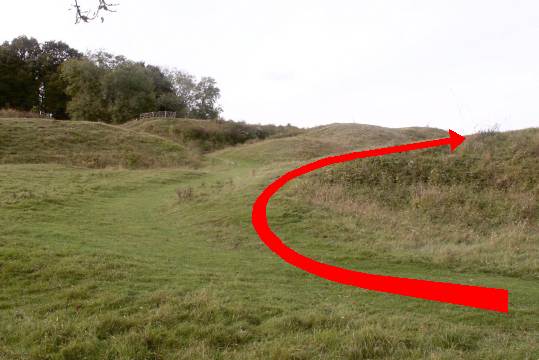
x: 455, y: 140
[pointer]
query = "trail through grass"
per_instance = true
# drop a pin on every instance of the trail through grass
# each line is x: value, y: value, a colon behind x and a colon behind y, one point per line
x: 118, y: 264
x: 108, y: 264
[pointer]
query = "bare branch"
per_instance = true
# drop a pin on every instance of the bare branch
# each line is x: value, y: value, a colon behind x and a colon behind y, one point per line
x: 85, y: 15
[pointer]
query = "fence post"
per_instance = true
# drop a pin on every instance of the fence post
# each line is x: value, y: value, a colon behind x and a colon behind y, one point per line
x: 149, y: 115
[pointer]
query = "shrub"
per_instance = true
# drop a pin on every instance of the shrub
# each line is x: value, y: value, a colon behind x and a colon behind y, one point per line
x: 184, y: 194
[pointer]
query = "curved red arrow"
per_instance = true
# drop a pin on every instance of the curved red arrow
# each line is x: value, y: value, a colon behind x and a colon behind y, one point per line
x: 472, y: 296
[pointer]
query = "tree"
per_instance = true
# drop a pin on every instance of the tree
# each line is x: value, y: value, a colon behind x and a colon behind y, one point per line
x: 184, y: 88
x: 84, y: 86
x: 106, y: 60
x: 53, y: 88
x: 55, y: 78
x: 196, y: 99
x: 162, y: 82
x: 128, y: 90
x: 19, y: 73
x: 206, y: 95
x: 29, y: 75
x: 172, y: 102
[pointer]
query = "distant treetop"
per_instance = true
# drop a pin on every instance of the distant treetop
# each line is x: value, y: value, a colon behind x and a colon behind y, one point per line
x: 53, y: 78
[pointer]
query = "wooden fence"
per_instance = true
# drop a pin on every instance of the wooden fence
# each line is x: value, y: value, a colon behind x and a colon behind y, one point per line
x: 158, y: 114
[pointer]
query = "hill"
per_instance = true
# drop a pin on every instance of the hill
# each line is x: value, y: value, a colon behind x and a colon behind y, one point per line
x: 209, y: 135
x: 326, y: 140
x: 172, y: 142
x: 88, y: 144
x: 359, y: 136
x: 475, y: 208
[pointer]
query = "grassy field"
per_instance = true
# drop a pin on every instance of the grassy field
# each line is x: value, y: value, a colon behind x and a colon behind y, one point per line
x: 163, y: 263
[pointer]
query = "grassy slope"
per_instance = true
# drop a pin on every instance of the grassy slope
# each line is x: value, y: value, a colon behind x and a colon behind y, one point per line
x: 208, y: 135
x: 86, y: 144
x: 325, y: 140
x: 110, y: 264
x: 475, y: 209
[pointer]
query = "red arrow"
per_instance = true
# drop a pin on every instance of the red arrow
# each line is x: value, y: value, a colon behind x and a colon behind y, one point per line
x: 472, y: 296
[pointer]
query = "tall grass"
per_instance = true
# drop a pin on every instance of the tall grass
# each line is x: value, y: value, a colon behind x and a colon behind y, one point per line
x: 479, y: 206
x: 19, y: 114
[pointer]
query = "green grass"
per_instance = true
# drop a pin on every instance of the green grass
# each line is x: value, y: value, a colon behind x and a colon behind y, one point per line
x: 114, y: 264
x: 88, y: 144
x: 480, y: 204
x: 209, y: 135
x: 325, y: 140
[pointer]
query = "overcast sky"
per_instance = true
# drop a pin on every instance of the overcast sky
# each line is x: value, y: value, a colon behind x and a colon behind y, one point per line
x: 464, y: 65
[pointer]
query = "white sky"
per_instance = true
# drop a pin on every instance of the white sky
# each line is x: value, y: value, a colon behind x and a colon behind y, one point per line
x: 458, y: 64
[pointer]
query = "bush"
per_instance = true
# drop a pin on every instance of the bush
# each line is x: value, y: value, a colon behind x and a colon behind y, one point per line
x: 184, y: 194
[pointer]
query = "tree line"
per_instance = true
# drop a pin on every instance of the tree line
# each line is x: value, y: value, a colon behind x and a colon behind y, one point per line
x: 54, y: 78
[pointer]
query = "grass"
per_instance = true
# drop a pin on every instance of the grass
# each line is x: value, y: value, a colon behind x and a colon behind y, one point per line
x: 163, y: 264
x: 209, y: 135
x: 87, y: 144
x: 12, y: 114
x: 481, y: 204
x: 324, y: 140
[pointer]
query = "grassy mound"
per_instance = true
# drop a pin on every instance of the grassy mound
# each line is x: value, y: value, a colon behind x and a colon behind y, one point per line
x: 326, y: 140
x: 361, y: 136
x: 278, y: 150
x: 479, y: 205
x: 87, y: 144
x: 209, y: 135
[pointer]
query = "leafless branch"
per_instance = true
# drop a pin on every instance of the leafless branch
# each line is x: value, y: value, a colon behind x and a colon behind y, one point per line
x: 85, y: 15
